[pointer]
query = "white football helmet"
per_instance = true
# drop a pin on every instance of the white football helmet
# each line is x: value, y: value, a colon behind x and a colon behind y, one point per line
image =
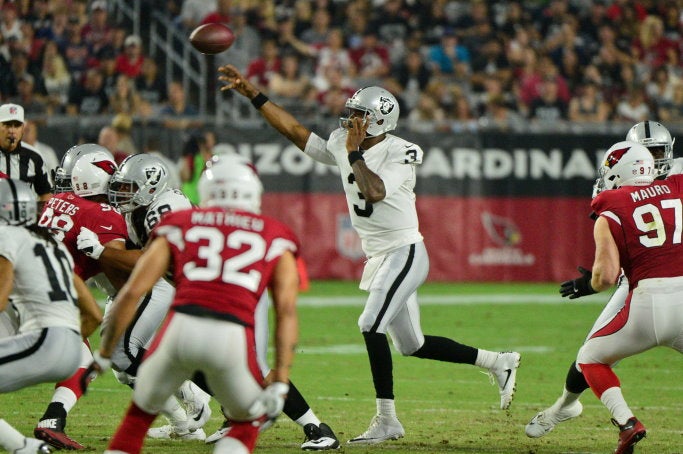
x: 230, y: 181
x: 627, y: 164
x: 91, y: 174
x: 380, y: 107
x: 141, y: 178
x: 17, y: 203
x: 62, y: 174
x: 656, y: 138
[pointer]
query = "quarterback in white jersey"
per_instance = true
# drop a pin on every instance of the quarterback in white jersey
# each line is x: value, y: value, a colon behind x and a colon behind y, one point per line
x: 657, y: 139
x: 38, y: 280
x: 378, y: 175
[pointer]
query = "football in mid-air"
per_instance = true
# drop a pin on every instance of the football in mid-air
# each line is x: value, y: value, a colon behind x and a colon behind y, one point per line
x: 212, y: 39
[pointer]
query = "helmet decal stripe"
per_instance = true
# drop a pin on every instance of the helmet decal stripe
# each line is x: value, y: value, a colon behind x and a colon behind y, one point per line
x: 648, y: 134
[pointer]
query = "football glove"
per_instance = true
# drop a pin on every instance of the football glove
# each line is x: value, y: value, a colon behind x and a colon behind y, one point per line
x: 99, y: 366
x: 581, y: 286
x: 272, y: 400
x: 89, y: 244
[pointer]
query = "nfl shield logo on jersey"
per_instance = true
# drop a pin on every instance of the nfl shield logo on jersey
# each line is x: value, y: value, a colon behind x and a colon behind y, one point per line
x: 348, y: 241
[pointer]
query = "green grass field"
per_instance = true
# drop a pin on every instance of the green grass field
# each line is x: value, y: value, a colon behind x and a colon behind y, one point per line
x: 445, y: 408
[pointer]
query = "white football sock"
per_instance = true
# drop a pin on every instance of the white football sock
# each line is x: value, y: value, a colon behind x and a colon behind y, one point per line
x: 386, y: 407
x: 10, y: 438
x: 66, y: 397
x: 308, y: 418
x: 565, y: 400
x: 485, y: 358
x: 176, y: 414
x: 616, y: 404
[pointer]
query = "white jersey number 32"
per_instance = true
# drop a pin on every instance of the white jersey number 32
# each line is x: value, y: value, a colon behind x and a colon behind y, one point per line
x: 231, y: 270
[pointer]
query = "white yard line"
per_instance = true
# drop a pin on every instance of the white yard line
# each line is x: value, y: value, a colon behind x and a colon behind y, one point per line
x: 457, y: 299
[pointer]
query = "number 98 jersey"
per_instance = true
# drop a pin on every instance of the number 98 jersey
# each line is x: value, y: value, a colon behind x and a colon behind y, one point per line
x: 224, y: 259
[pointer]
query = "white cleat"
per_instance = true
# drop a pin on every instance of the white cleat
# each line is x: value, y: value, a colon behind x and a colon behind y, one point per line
x: 33, y: 446
x: 545, y: 421
x: 504, y: 372
x: 168, y: 431
x: 381, y: 428
x: 196, y: 403
x: 217, y: 435
x: 319, y: 438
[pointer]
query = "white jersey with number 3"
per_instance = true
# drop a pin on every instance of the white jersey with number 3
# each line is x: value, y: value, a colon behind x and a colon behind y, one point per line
x: 391, y: 223
x: 43, y: 290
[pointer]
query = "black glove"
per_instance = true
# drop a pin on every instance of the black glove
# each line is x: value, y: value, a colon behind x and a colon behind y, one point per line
x: 581, y: 286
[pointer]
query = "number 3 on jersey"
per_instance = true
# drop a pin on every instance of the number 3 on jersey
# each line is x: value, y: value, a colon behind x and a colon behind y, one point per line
x: 366, y: 210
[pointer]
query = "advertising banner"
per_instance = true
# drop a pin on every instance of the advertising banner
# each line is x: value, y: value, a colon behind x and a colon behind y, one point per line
x: 491, y: 207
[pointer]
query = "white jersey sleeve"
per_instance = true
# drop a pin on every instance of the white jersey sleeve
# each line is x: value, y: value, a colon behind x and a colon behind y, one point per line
x: 676, y: 167
x: 316, y: 148
x: 392, y: 222
x: 142, y: 220
x: 43, y: 291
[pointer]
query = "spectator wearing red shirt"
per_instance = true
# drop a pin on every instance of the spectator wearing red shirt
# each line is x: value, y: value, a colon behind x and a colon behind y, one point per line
x: 615, y: 11
x: 221, y: 15
x: 651, y: 47
x: 97, y: 33
x: 263, y: 67
x: 129, y: 62
x: 371, y: 58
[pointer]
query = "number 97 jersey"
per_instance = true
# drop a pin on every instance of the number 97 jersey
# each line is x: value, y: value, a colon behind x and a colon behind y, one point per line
x: 223, y: 260
x: 647, y: 225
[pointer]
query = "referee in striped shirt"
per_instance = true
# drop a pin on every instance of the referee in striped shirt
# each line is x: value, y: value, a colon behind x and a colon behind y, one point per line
x: 17, y: 160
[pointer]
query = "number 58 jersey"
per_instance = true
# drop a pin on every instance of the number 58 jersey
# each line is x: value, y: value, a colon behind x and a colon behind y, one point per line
x: 647, y: 225
x: 223, y: 260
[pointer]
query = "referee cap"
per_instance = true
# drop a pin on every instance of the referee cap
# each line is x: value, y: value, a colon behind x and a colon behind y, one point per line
x: 11, y: 112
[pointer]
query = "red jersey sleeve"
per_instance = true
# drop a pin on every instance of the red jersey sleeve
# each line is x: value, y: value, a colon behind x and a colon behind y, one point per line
x: 106, y: 222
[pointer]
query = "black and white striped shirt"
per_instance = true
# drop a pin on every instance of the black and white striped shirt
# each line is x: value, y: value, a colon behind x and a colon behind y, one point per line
x: 26, y: 165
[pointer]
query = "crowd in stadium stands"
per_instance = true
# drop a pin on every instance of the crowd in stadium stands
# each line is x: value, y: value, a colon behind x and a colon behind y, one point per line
x: 497, y: 63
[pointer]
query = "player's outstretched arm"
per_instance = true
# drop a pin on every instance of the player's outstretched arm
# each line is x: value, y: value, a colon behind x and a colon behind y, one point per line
x: 581, y: 286
x: 151, y: 266
x: 606, y: 267
x: 285, y: 288
x: 91, y: 314
x: 6, y: 283
x: 370, y: 184
x: 275, y: 115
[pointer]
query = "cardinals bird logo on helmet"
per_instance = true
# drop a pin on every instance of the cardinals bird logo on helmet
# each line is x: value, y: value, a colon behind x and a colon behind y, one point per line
x: 615, y: 156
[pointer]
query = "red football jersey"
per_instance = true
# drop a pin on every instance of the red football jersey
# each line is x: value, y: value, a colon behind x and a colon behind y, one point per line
x: 646, y: 223
x: 224, y: 259
x: 66, y: 213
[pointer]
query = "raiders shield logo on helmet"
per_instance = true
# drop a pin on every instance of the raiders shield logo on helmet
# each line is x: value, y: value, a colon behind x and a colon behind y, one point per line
x: 386, y: 105
x: 153, y: 175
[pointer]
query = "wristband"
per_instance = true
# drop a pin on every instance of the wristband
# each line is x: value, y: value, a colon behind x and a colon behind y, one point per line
x: 259, y: 100
x: 355, y: 156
